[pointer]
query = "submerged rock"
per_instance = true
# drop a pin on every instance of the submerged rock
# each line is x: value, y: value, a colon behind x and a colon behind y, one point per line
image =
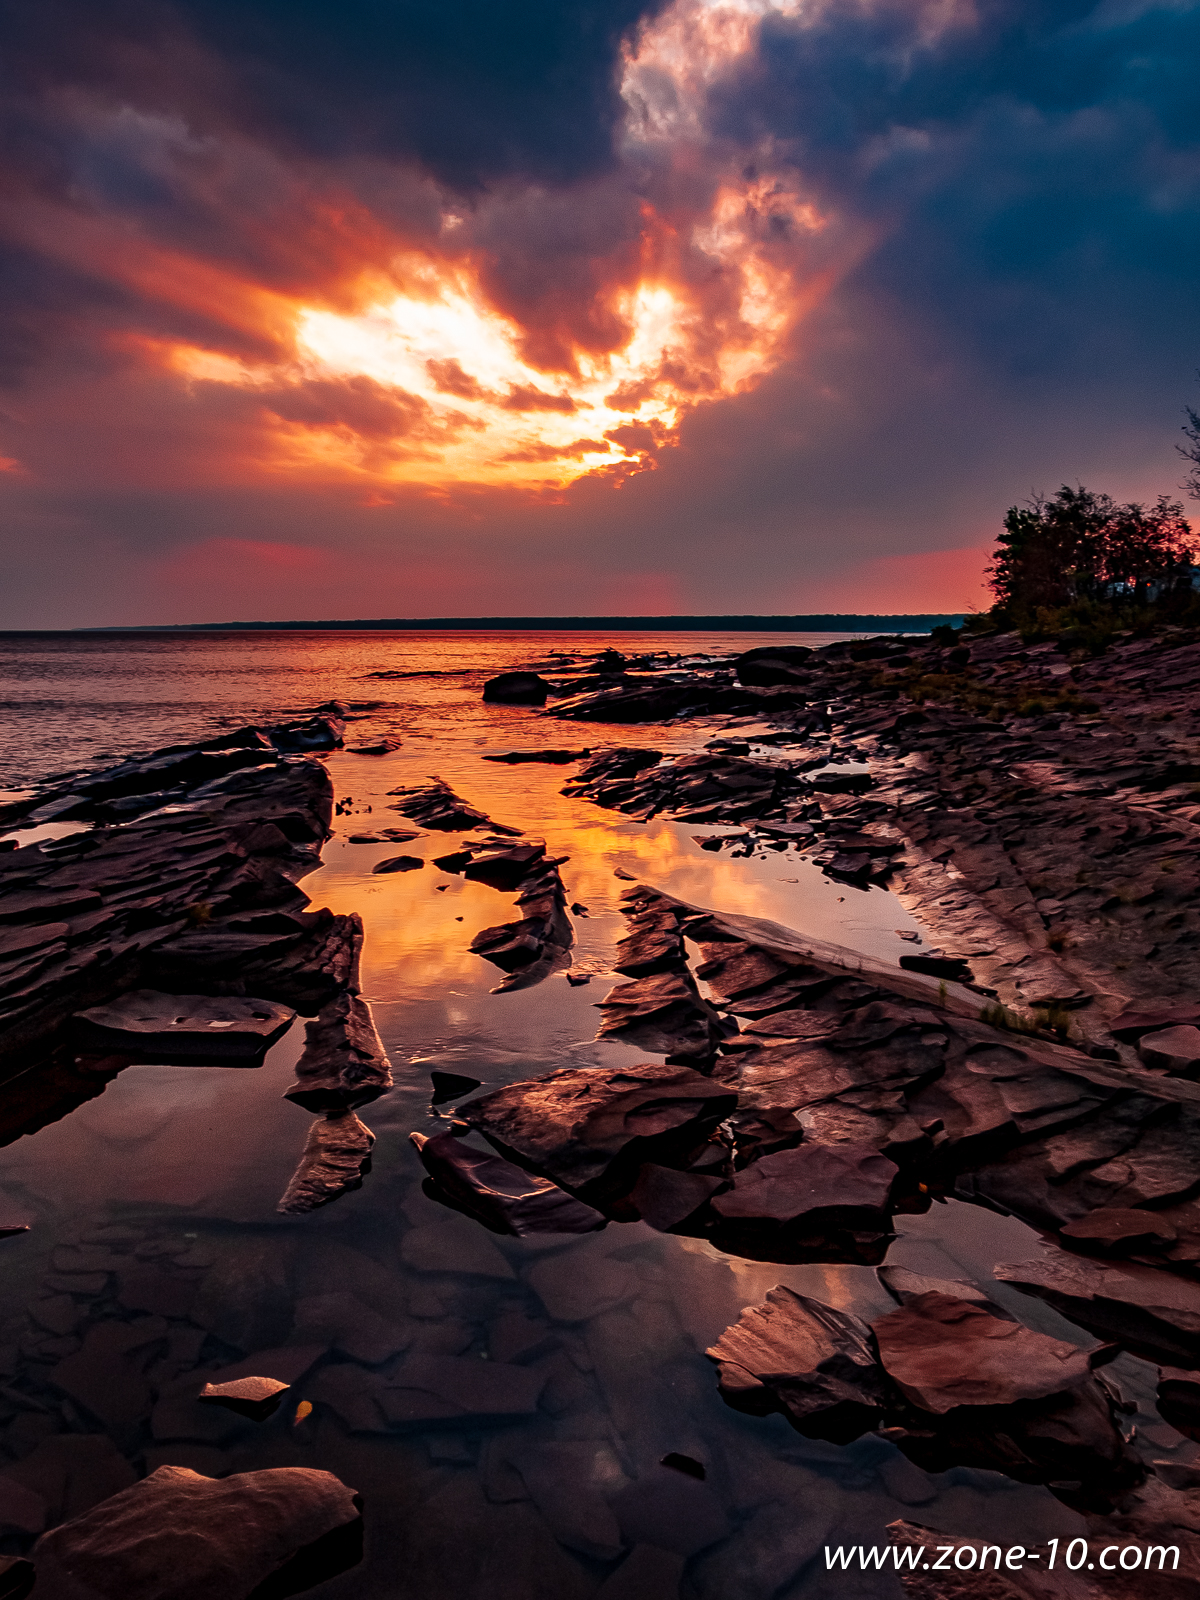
x: 202, y: 1028
x: 501, y: 1195
x: 337, y: 1156
x: 814, y: 1186
x: 344, y: 1063
x: 589, y: 1128
x: 180, y: 1536
x: 807, y: 1359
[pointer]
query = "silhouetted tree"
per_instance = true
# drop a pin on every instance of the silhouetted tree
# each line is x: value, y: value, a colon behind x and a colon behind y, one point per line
x: 1081, y: 545
x: 1191, y: 452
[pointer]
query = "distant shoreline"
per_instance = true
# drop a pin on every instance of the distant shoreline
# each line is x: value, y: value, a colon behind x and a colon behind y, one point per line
x: 824, y: 622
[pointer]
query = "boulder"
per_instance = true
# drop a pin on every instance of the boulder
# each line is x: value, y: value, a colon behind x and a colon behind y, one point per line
x: 516, y: 689
x: 773, y: 664
x: 813, y: 1186
x: 1155, y: 1314
x: 590, y: 1128
x: 224, y: 1030
x: 1114, y: 1231
x: 337, y: 1156
x: 180, y: 1536
x: 501, y: 1195
x: 942, y: 1352
x: 809, y: 1360
x: 256, y: 1397
x: 1174, y: 1050
x: 398, y: 864
x: 344, y: 1064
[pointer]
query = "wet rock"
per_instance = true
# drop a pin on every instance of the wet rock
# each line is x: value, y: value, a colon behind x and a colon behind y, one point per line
x: 1112, y: 1231
x: 185, y: 1027
x: 344, y: 1064
x: 574, y: 1292
x: 500, y: 1194
x: 1155, y: 1314
x: 399, y: 864
x: 381, y: 747
x: 107, y: 1376
x: 516, y: 689
x: 435, y: 805
x: 669, y: 1510
x: 450, y: 1086
x: 664, y: 1197
x: 179, y: 1534
x: 71, y: 1473
x: 571, y: 1484
x: 337, y: 1156
x: 317, y: 733
x: 452, y: 1244
x: 257, y: 1398
x: 793, y: 1354
x: 942, y: 1352
x: 462, y: 1389
x: 953, y: 968
x: 663, y: 1014
x: 654, y: 942
x: 591, y: 1127
x: 774, y: 664
x: 1174, y: 1050
x: 813, y: 1187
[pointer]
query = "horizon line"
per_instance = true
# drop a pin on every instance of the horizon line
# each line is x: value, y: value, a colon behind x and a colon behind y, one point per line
x: 808, y: 622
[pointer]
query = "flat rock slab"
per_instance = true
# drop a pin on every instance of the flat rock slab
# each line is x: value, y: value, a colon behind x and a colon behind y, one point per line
x: 1137, y: 1020
x: 503, y: 1197
x: 1155, y: 1314
x: 577, y: 1125
x: 810, y: 1360
x: 399, y: 864
x: 1116, y: 1231
x: 189, y: 1027
x: 1174, y: 1050
x: 942, y: 1352
x: 344, y: 1063
x: 337, y: 1156
x: 256, y: 1397
x: 813, y: 1184
x: 182, y: 1535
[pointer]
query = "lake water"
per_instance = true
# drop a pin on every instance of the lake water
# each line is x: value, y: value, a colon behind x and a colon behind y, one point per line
x: 165, y: 1185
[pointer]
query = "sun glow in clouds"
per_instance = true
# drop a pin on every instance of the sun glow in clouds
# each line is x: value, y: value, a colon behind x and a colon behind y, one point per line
x: 705, y: 313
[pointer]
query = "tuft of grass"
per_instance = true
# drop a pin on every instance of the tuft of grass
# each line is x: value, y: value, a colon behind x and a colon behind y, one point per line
x: 998, y: 1016
x: 1057, y: 1019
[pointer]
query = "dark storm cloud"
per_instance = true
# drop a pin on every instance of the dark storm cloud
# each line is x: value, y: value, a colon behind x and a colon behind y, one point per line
x: 475, y: 90
x: 1034, y: 169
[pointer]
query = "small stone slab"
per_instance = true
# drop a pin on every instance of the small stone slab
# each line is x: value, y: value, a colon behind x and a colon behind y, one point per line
x: 189, y: 1027
x: 1114, y: 1231
x: 501, y: 1195
x: 794, y: 1354
x: 814, y: 1184
x: 942, y: 1352
x: 1136, y: 1020
x: 450, y: 1085
x: 1174, y: 1050
x: 257, y: 1398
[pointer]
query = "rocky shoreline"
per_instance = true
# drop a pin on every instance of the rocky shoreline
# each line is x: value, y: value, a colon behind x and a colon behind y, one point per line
x: 1032, y: 806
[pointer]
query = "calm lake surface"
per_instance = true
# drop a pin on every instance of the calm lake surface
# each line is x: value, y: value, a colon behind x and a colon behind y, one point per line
x: 153, y: 1205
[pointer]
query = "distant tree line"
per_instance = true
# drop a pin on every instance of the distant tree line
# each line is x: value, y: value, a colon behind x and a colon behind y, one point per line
x: 1078, y: 557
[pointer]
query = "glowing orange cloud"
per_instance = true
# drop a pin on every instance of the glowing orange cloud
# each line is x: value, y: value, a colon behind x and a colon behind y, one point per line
x: 406, y: 369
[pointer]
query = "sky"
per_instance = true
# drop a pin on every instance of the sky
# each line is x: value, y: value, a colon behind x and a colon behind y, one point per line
x: 468, y: 307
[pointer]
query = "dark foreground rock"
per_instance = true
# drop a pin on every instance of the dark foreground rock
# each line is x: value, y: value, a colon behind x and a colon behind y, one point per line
x: 828, y: 1201
x: 173, y: 1027
x: 499, y: 1194
x: 344, y: 1063
x: 337, y: 1156
x: 179, y: 1536
x: 590, y: 1128
x: 435, y: 805
x: 797, y: 1355
x: 516, y: 689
